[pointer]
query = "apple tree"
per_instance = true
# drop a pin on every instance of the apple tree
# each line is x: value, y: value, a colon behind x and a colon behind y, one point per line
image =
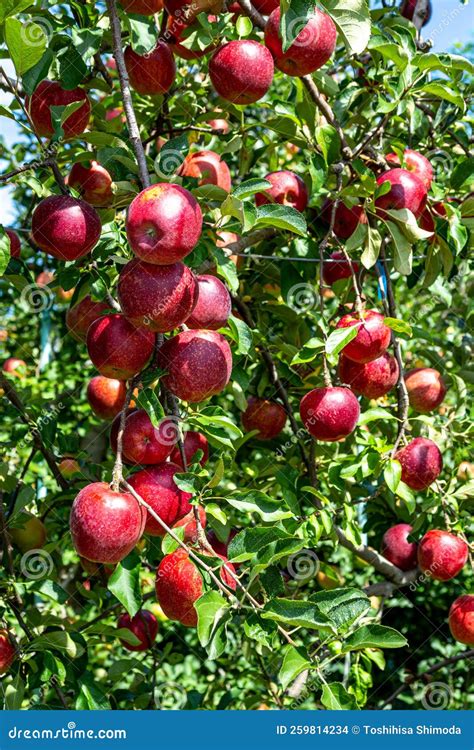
x: 236, y: 468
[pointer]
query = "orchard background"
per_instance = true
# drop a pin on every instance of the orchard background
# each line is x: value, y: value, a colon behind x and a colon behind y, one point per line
x: 316, y: 611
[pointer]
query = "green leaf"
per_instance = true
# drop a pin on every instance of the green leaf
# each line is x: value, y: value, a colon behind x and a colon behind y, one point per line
x: 294, y: 16
x: 60, y: 114
x: 339, y: 338
x: 399, y: 326
x: 124, y: 583
x: 372, y: 247
x: 4, y: 250
x: 57, y: 640
x: 342, y: 605
x: 210, y: 608
x: 352, y: 18
x: 14, y: 692
x: 250, y: 187
x: 143, y: 33
x: 248, y: 542
x: 226, y: 268
x: 13, y: 7
x: 372, y: 415
x: 373, y: 636
x: 442, y: 91
x: 282, y: 217
x: 297, y: 613
x: 407, y: 223
x: 329, y: 142
x: 148, y: 400
x: 392, y: 474
x: 243, y: 26
x: 171, y: 156
x: 253, y: 501
x: 462, y: 172
x: 91, y: 696
x: 336, y: 698
x: 242, y: 334
x: 402, y: 249
x: 26, y: 43
x: 294, y: 662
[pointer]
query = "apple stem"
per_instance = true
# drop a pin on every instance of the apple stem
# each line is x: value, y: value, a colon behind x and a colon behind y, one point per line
x: 117, y: 472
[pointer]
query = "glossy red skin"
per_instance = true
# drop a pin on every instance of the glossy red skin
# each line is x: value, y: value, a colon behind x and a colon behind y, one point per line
x: 11, y: 366
x: 80, y: 316
x: 442, y: 555
x: 288, y: 189
x: 198, y: 363
x: 164, y: 223
x: 265, y: 7
x: 372, y: 339
x: 118, y: 349
x: 66, y: 228
x: 153, y: 73
x: 421, y: 462
x: 143, y: 443
x: 105, y: 525
x: 142, y: 7
x: 407, y: 10
x: 179, y: 584
x: 416, y: 163
x: 329, y: 414
x: 106, y: 396
x: 159, y: 298
x: 157, y: 487
x: 193, y: 441
x: 51, y: 94
x: 268, y: 417
x: 208, y: 168
x: 214, y: 304
x: 190, y: 526
x: 397, y: 549
x: 373, y: 379
x: 461, y: 619
x: 219, y: 126
x: 241, y: 71
x: 114, y: 429
x: 407, y: 191
x: 426, y: 389
x: 7, y: 652
x: 143, y: 625
x: 15, y: 244
x: 93, y: 182
x: 339, y: 269
x: 311, y: 49
x: 346, y: 219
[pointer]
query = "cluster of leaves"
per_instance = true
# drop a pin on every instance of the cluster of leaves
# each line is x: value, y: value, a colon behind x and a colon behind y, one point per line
x: 380, y: 79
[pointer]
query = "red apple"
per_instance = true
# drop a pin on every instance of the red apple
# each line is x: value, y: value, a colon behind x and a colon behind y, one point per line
x: 82, y: 314
x: 7, y: 651
x: 214, y: 304
x: 442, y: 555
x: 372, y: 339
x: 157, y: 487
x: 106, y: 396
x: 188, y: 10
x: 265, y: 7
x: 15, y: 244
x: 208, y: 168
x: 160, y: 298
x: 426, y: 389
x: 193, y: 441
x: 12, y: 366
x: 29, y: 532
x: 421, y: 462
x: 268, y: 417
x: 329, y: 413
x: 65, y: 227
x: 416, y: 163
x: 69, y: 467
x: 406, y: 191
x: 346, y: 219
x: 408, y: 7
x: 337, y: 268
x: 372, y: 379
x: 174, y: 35
x: 143, y: 443
x: 219, y: 126
x: 93, y: 182
x: 311, y: 49
x: 241, y: 71
x: 105, y: 525
x: 143, y: 625
x: 142, y: 7
x: 288, y: 189
x: 221, y: 547
x: 179, y: 586
x: 114, y: 429
x: 461, y: 619
x: 198, y: 364
x: 51, y: 94
x: 153, y: 73
x: 164, y: 223
x: 396, y: 547
x: 190, y: 526
x: 118, y: 349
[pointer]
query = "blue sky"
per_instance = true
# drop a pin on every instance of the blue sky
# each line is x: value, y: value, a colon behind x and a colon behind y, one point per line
x: 451, y: 22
